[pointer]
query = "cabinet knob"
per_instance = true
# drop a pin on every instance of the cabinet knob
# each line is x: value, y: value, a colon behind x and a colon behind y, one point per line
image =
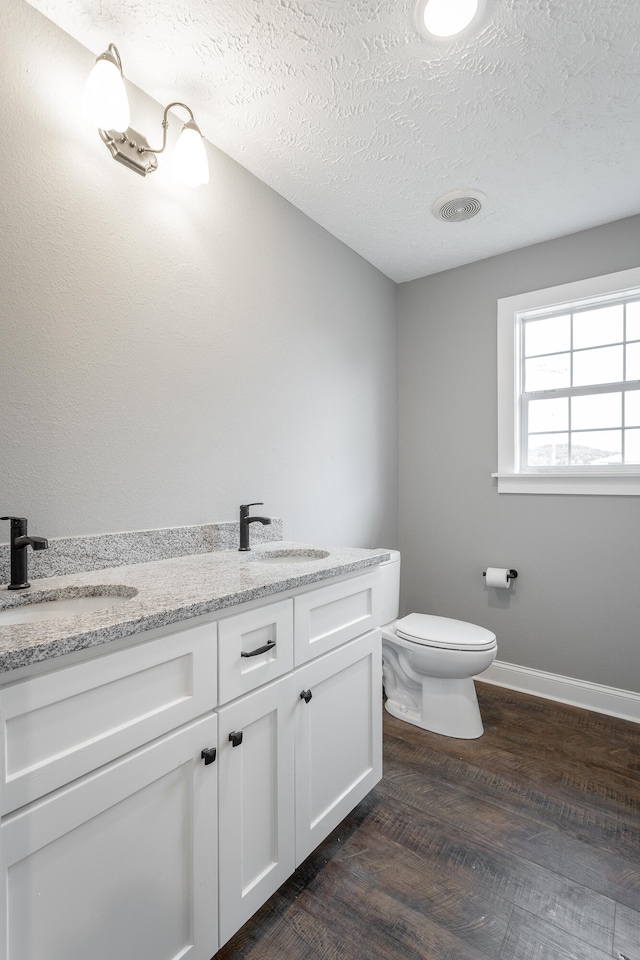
x: 208, y: 755
x: 306, y: 695
x: 236, y: 738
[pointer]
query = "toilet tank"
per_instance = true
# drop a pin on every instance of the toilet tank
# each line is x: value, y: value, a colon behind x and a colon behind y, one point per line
x: 390, y: 572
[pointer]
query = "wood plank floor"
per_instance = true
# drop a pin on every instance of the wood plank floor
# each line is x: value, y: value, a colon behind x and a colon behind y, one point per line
x: 522, y: 845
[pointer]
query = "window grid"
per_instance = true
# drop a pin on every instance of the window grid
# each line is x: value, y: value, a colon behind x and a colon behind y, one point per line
x: 622, y: 386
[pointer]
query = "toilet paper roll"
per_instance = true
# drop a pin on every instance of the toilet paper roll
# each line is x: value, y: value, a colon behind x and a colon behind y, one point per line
x: 498, y: 577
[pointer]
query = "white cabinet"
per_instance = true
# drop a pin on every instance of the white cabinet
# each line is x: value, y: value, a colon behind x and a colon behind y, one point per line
x: 112, y: 815
x: 121, y: 863
x: 295, y: 757
x: 59, y: 726
x: 337, y: 737
x: 256, y: 802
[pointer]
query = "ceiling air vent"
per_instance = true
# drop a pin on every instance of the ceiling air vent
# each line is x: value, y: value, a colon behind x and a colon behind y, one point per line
x: 458, y: 205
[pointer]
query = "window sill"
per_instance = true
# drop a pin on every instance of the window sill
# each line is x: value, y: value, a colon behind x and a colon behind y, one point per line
x: 593, y: 484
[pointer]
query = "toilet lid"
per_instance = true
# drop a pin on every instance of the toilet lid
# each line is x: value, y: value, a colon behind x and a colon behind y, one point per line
x: 444, y: 632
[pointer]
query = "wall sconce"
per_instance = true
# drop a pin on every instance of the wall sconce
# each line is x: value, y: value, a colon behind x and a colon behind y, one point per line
x: 107, y: 106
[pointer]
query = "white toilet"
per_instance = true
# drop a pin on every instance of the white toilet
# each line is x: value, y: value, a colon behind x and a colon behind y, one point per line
x: 428, y: 664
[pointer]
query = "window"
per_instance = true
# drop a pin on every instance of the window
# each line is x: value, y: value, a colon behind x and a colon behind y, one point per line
x: 569, y: 388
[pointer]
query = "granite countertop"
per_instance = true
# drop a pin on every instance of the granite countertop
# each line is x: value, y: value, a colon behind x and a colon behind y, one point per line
x: 162, y: 592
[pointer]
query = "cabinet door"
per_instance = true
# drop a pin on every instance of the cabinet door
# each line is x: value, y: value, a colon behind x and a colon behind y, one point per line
x: 338, y: 735
x: 256, y: 805
x: 332, y: 615
x: 58, y: 727
x: 119, y: 864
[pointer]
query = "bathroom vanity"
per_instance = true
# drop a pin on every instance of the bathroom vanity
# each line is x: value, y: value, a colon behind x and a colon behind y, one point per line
x: 161, y: 784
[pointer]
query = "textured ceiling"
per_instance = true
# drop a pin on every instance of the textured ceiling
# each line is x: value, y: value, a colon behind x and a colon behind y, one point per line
x: 345, y: 110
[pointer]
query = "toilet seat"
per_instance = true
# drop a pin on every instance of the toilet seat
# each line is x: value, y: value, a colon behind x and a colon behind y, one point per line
x: 429, y: 631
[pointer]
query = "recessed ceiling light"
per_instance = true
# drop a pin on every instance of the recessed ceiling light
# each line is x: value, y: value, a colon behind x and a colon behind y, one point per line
x: 443, y: 19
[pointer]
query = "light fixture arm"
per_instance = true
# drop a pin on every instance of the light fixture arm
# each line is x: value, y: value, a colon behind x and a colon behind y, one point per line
x: 113, y: 54
x: 165, y: 126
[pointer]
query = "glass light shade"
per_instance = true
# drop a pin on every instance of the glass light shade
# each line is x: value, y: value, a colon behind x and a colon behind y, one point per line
x: 445, y: 18
x: 105, y: 102
x: 189, y: 159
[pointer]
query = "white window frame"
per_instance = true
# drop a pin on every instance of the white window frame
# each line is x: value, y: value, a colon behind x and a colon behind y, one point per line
x: 512, y: 477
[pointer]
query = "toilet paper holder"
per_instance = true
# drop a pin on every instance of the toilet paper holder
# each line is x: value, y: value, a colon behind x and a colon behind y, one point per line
x: 512, y: 575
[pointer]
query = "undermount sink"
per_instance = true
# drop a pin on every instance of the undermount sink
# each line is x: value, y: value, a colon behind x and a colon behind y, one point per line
x: 54, y: 607
x: 299, y: 555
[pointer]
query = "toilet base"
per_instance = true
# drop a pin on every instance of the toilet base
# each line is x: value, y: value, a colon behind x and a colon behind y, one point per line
x: 445, y: 706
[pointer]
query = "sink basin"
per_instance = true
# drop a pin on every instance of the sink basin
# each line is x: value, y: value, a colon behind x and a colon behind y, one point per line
x: 53, y: 608
x: 300, y: 555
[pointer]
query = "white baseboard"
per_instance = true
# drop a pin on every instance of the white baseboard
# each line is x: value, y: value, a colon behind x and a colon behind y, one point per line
x: 578, y: 693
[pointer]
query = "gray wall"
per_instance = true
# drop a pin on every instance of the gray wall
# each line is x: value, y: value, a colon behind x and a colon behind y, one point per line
x: 167, y: 354
x: 575, y: 609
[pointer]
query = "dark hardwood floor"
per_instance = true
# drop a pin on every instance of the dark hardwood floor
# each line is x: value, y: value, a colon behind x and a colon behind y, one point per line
x: 522, y: 845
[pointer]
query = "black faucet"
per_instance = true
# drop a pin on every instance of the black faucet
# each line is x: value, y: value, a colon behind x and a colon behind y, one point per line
x: 245, y: 520
x: 19, y: 543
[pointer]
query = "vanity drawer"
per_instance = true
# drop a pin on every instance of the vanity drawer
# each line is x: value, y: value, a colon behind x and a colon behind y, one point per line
x: 253, y: 648
x: 60, y: 726
x: 330, y: 616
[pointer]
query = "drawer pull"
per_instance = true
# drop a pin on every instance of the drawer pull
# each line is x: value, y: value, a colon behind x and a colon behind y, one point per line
x: 256, y: 653
x: 306, y: 695
x: 208, y: 755
x: 236, y: 738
